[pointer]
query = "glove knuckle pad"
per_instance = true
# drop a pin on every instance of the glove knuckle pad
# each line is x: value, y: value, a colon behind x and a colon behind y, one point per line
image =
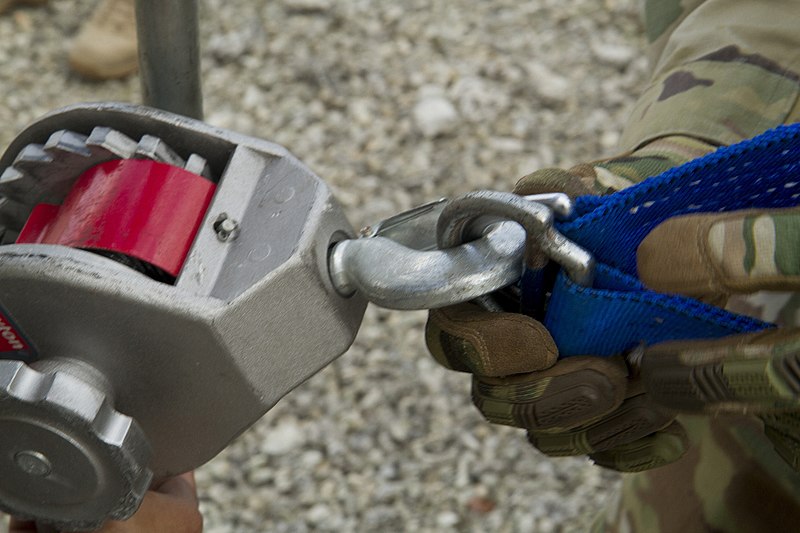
x: 547, y: 403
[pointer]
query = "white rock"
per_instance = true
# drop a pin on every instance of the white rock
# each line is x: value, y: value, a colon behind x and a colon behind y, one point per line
x: 609, y: 139
x: 361, y: 111
x: 435, y: 115
x: 318, y: 514
x: 613, y: 54
x: 283, y: 438
x: 447, y: 519
x: 507, y: 144
x: 549, y: 85
x: 307, y: 6
x: 229, y: 46
x: 311, y: 458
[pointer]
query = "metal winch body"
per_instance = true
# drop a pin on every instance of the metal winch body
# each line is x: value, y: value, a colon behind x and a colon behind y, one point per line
x: 111, y: 376
x: 164, y: 283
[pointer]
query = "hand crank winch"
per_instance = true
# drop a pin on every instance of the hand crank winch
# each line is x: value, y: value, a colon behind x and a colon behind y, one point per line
x: 157, y: 279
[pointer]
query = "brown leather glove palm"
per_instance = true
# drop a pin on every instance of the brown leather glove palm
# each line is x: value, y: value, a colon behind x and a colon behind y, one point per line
x: 574, y: 406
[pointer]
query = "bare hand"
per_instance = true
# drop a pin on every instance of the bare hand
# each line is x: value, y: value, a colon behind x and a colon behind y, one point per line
x: 172, y: 507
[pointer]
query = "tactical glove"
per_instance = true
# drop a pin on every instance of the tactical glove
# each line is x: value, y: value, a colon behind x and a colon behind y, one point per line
x: 578, y: 405
x: 620, y: 412
x: 724, y: 256
x: 574, y: 406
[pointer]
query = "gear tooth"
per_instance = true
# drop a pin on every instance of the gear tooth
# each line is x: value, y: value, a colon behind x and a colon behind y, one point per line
x: 67, y: 141
x: 55, y: 166
x: 8, y: 236
x: 154, y: 148
x: 32, y: 156
x: 18, y: 186
x: 33, y: 161
x: 13, y: 214
x: 45, y: 173
x: 198, y: 165
x: 113, y: 141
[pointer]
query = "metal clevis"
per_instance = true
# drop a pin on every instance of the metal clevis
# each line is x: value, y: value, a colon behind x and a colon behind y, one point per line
x: 157, y: 273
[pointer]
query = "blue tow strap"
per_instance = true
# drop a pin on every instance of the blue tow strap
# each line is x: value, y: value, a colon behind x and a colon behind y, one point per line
x: 618, y: 312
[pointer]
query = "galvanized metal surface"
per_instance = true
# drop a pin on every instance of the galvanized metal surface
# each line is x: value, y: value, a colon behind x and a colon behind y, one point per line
x: 169, y: 57
x: 396, y: 264
x: 459, y: 217
x: 397, y: 277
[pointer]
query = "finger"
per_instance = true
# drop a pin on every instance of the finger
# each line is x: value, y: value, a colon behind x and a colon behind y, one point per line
x: 636, y: 418
x: 783, y: 430
x: 737, y: 252
x: 575, y: 392
x: 182, y: 487
x: 549, y: 180
x: 21, y: 526
x: 466, y: 338
x: 172, y: 507
x: 653, y: 451
x: 750, y: 373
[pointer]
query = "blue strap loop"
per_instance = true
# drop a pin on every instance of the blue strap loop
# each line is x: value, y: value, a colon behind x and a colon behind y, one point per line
x: 618, y: 312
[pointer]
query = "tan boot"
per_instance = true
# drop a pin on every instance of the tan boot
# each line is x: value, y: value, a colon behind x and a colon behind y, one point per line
x: 6, y: 5
x: 105, y: 47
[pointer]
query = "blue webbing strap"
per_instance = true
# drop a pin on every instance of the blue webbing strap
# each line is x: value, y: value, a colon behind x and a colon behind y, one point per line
x: 617, y: 312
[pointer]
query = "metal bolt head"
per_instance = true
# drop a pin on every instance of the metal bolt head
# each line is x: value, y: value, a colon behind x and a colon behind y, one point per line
x: 33, y: 463
x: 227, y: 228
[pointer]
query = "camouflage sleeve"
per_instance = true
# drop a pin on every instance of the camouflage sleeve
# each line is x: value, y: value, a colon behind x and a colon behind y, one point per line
x: 722, y: 70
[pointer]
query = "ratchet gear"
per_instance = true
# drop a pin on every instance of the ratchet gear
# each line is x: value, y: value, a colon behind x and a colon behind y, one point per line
x: 137, y: 203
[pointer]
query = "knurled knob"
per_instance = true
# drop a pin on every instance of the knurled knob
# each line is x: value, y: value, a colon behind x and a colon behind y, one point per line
x: 67, y: 457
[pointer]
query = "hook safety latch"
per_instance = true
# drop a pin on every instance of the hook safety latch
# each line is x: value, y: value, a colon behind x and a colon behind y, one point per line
x: 481, y: 239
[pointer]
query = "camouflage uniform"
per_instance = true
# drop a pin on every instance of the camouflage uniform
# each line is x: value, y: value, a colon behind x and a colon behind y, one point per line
x: 723, y: 71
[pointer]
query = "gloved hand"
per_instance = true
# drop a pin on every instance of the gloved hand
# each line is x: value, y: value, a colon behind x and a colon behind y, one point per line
x: 724, y: 256
x: 578, y: 405
x: 574, y: 406
x: 621, y: 414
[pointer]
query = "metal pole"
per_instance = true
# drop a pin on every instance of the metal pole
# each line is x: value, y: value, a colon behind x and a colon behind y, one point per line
x: 169, y: 55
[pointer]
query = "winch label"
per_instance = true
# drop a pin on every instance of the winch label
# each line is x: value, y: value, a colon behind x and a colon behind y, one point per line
x: 13, y: 344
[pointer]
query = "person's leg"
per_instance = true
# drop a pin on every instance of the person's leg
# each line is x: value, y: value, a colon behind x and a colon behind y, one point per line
x: 729, y: 480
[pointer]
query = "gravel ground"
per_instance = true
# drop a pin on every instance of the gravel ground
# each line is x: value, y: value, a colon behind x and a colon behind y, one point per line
x: 393, y: 104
